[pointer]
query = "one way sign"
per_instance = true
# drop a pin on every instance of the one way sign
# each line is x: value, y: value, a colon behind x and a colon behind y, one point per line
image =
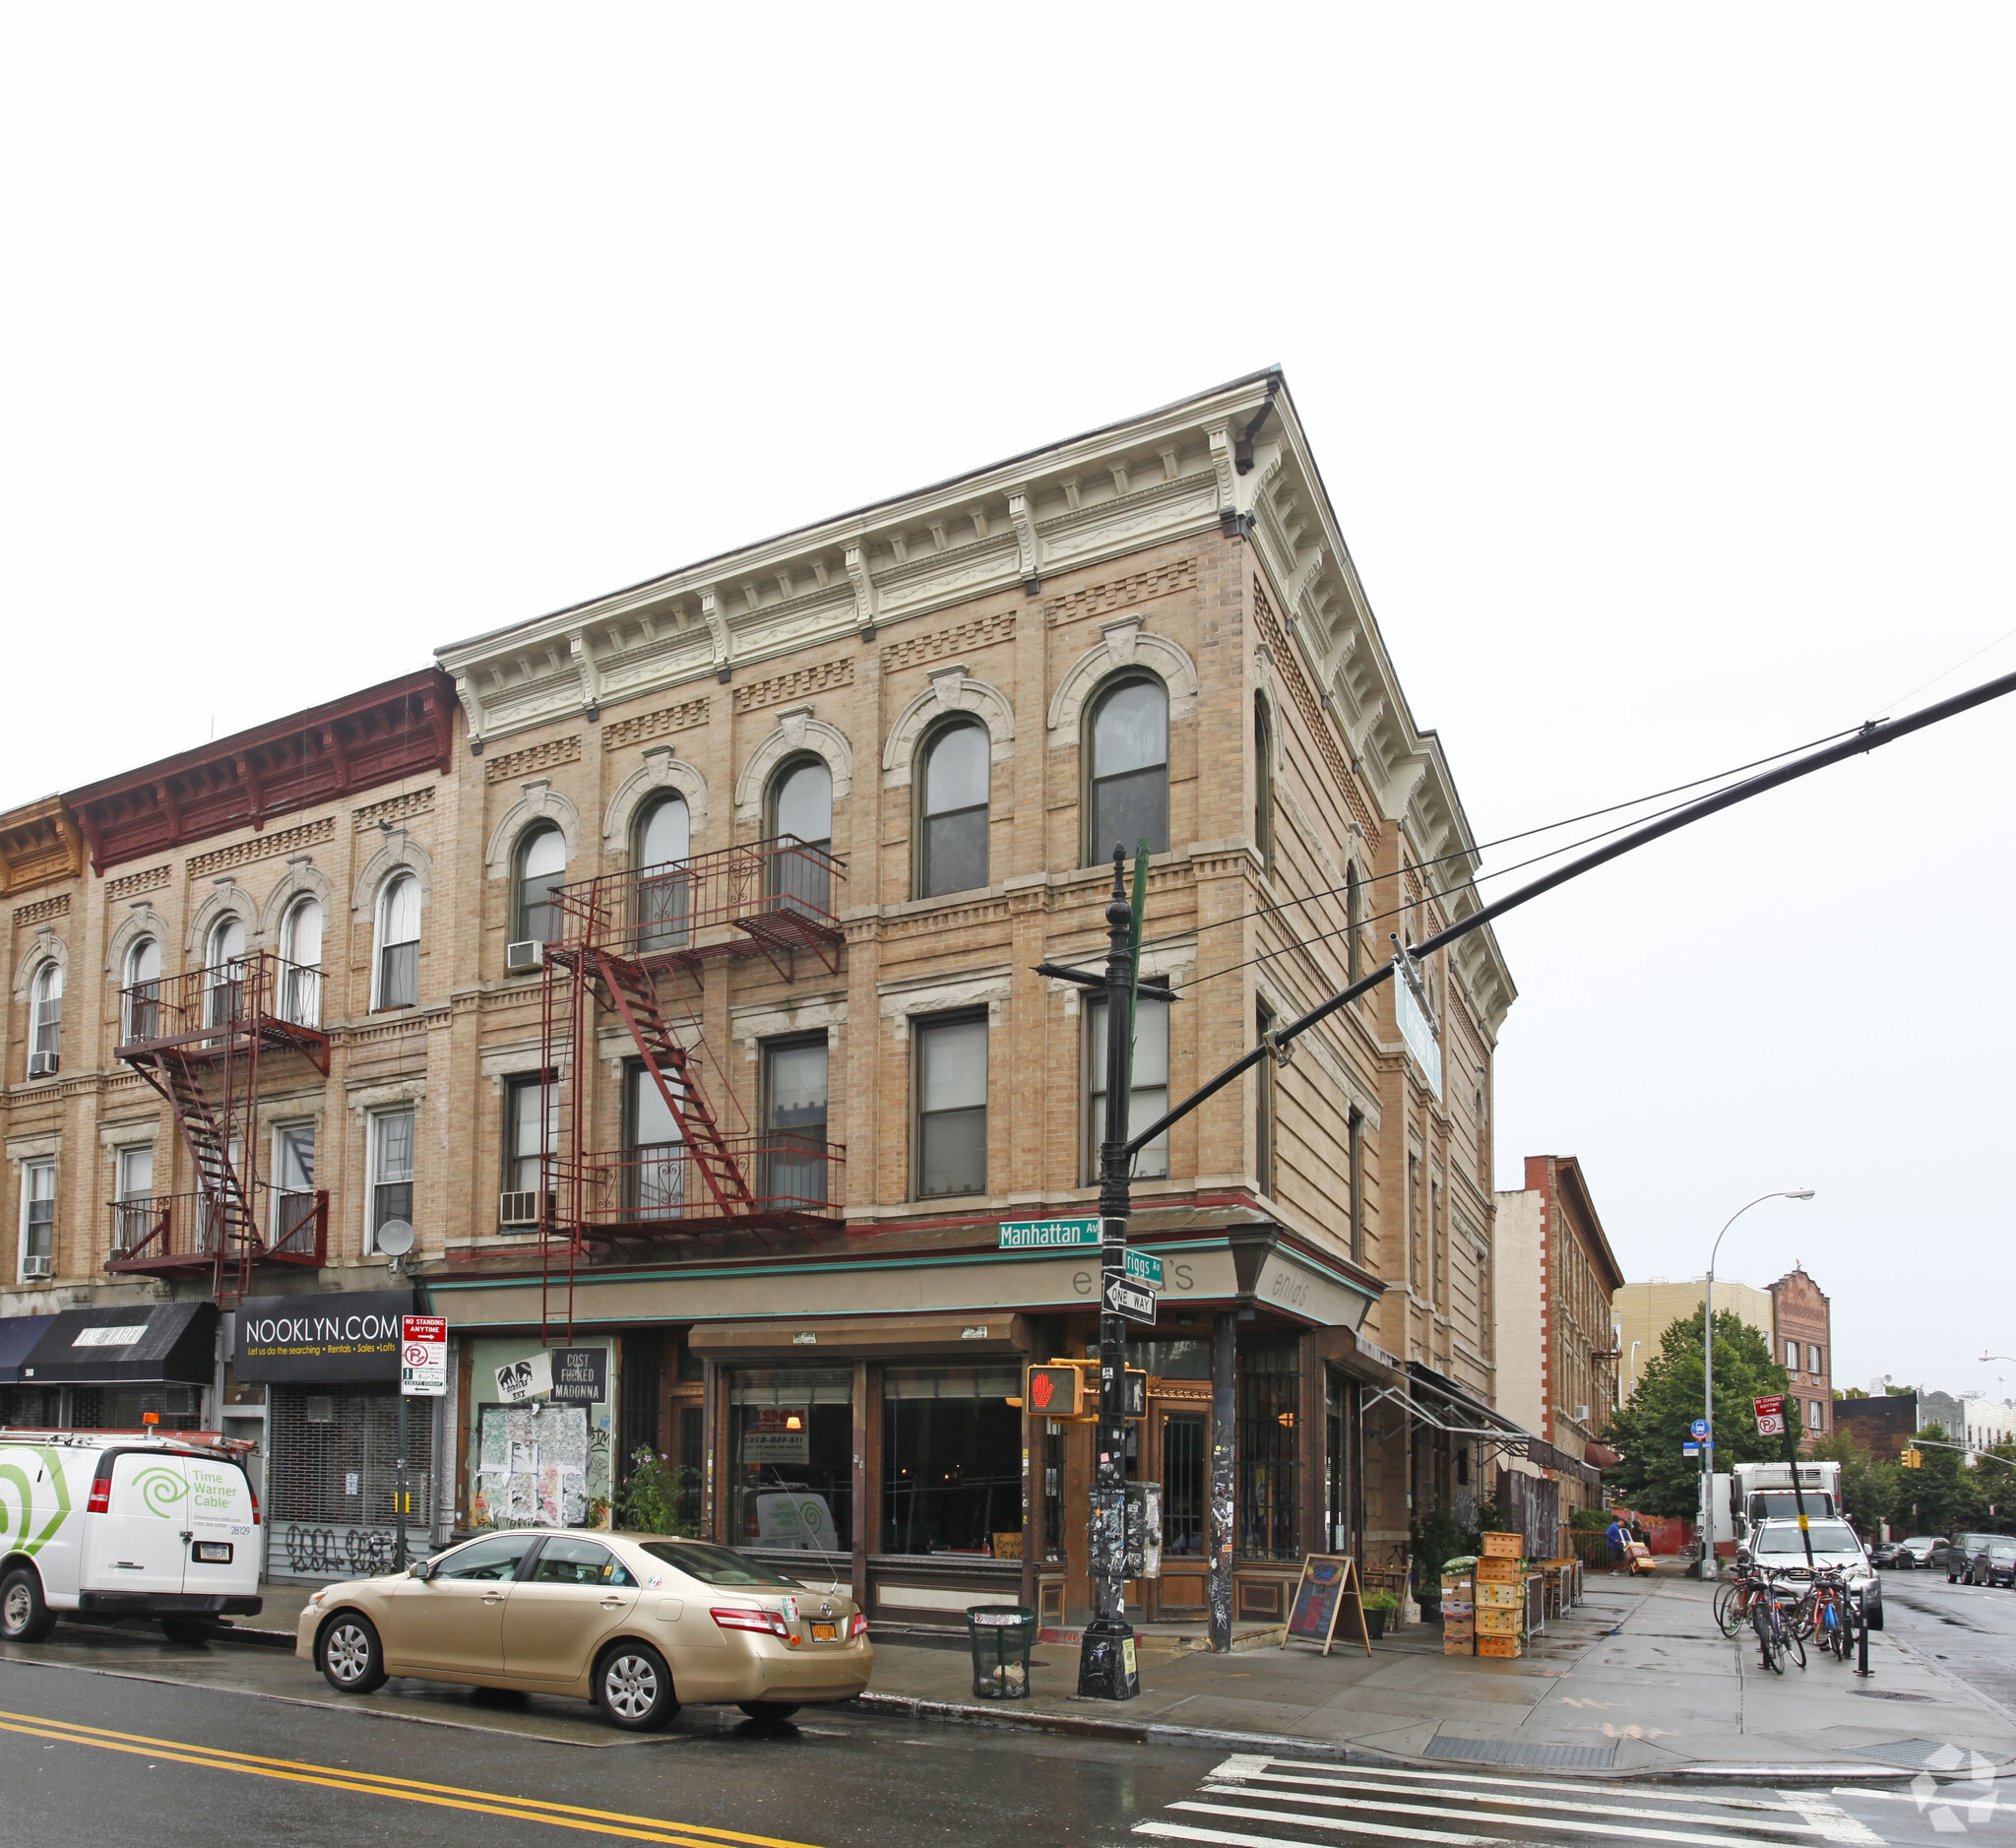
x: 1130, y: 1300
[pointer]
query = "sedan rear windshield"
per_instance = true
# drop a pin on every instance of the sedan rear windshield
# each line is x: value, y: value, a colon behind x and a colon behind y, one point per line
x: 1919, y: 1540
x: 1828, y: 1537
x: 716, y: 1566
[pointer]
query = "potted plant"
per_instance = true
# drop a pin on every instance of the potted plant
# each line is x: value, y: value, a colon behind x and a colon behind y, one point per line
x: 1375, y: 1605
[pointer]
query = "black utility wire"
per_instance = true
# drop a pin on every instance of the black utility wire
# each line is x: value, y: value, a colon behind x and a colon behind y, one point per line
x: 1866, y: 738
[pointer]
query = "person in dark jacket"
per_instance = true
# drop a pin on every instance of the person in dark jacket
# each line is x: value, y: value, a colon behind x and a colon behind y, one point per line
x: 1619, y: 1537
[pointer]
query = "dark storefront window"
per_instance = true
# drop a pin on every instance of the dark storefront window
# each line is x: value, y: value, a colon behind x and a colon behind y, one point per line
x: 790, y: 1452
x: 125, y: 1408
x: 1185, y: 1468
x: 1053, y: 1489
x: 637, y: 1418
x: 951, y: 1458
x: 333, y: 1464
x: 1170, y: 1359
x: 1268, y: 1374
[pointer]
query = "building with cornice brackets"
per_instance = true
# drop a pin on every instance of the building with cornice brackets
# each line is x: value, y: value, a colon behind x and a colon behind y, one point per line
x: 676, y: 985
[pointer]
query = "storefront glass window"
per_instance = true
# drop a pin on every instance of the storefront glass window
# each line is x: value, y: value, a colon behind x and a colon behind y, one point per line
x: 1268, y: 1375
x: 951, y: 1458
x: 1171, y: 1360
x: 790, y: 1450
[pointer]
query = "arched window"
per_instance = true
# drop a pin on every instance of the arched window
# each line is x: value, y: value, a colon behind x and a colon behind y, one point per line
x: 223, y: 972
x: 45, y: 1023
x: 801, y: 816
x: 952, y: 804
x: 142, y: 986
x: 1263, y: 783
x: 300, y: 971
x: 396, y: 966
x: 541, y: 871
x: 1128, y: 778
x: 664, y: 889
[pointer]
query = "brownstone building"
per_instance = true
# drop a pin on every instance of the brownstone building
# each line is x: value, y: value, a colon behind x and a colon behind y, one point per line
x: 676, y: 982
x: 1802, y: 1321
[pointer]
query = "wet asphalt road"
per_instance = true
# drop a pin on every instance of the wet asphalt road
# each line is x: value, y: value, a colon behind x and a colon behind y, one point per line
x: 109, y: 1734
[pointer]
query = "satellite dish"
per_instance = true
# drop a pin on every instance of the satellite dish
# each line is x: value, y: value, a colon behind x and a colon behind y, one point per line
x: 395, y: 1238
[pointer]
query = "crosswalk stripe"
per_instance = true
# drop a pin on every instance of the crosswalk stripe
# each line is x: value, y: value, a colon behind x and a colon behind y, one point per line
x: 1402, y: 1776
x: 1612, y: 1829
x: 1503, y: 1796
x: 1178, y: 1833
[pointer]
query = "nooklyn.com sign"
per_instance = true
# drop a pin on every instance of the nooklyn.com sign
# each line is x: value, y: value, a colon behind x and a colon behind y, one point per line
x: 320, y: 1340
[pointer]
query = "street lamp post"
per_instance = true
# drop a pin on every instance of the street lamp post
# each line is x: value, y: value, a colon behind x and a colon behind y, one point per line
x: 1706, y: 1568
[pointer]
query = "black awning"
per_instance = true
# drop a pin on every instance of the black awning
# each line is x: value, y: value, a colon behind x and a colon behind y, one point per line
x: 143, y: 1344
x: 17, y: 1334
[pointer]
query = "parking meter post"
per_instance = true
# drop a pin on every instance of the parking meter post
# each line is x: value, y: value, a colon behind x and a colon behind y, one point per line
x: 1107, y: 1667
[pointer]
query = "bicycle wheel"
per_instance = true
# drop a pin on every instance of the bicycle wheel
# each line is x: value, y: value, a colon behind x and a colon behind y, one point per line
x: 1767, y: 1639
x: 1795, y: 1647
x: 1728, y: 1613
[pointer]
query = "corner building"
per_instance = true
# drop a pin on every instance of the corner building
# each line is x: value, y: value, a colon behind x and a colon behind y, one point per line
x: 725, y: 1055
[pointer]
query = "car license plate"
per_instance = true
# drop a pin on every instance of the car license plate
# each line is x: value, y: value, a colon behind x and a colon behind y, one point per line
x: 214, y: 1551
x: 824, y: 1632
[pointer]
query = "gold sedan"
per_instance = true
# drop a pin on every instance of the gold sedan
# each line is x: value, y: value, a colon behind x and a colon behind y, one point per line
x: 636, y: 1623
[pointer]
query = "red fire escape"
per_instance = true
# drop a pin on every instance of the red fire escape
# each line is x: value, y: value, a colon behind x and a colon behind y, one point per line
x: 636, y: 944
x: 201, y: 1040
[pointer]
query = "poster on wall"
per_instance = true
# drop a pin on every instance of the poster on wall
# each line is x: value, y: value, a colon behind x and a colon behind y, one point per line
x: 529, y: 1378
x: 533, y: 1467
x: 776, y: 1434
x: 581, y: 1376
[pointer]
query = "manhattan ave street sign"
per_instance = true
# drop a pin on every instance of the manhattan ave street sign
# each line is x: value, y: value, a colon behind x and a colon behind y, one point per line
x: 1049, y: 1235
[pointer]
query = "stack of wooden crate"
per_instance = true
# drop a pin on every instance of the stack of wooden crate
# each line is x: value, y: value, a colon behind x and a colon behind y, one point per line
x: 1459, y: 1614
x: 1501, y: 1596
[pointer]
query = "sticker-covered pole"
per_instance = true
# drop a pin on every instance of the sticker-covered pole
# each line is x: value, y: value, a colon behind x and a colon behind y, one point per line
x: 399, y: 1532
x: 1107, y: 1667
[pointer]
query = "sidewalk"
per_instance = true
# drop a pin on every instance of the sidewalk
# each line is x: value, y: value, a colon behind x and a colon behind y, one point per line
x: 1636, y: 1679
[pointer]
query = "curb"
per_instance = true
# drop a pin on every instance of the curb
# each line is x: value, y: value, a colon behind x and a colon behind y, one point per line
x: 255, y: 1638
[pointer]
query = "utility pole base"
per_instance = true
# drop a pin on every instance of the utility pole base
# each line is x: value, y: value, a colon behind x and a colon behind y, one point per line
x: 1107, y: 1667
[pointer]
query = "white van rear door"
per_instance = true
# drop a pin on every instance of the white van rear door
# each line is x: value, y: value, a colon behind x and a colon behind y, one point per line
x: 224, y: 1545
x: 138, y: 1543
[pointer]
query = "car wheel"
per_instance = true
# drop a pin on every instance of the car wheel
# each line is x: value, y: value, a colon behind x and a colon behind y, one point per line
x: 24, y: 1616
x: 770, y: 1710
x: 350, y: 1654
x: 634, y: 1687
x: 190, y: 1631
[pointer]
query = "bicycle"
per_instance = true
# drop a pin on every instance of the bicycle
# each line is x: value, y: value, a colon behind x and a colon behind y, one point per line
x: 1777, y: 1638
x: 1734, y: 1598
x: 1829, y: 1612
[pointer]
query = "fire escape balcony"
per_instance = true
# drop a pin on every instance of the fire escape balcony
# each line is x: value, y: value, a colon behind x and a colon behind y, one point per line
x: 179, y: 1235
x: 224, y: 1011
x: 634, y: 1199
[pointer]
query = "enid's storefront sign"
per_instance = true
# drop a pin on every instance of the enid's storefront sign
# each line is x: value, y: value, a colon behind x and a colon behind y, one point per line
x: 321, y: 1339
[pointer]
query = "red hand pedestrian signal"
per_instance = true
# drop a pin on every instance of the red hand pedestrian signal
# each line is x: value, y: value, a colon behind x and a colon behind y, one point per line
x: 1041, y: 1391
x: 1054, y: 1391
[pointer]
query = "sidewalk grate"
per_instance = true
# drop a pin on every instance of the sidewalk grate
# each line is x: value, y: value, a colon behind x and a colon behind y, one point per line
x: 1915, y: 1754
x: 1520, y: 1752
x: 1893, y: 1694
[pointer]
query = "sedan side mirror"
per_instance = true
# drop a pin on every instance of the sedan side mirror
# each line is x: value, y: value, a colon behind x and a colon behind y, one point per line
x: 420, y: 1569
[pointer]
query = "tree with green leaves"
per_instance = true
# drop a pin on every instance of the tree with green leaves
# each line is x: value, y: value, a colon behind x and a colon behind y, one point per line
x: 1869, y: 1484
x: 1649, y: 1431
x: 1940, y: 1495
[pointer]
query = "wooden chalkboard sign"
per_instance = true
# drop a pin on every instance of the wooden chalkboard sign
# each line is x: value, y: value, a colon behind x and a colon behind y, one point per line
x: 1327, y: 1590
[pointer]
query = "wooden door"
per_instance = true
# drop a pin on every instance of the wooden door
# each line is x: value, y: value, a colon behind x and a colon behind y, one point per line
x: 1182, y: 1462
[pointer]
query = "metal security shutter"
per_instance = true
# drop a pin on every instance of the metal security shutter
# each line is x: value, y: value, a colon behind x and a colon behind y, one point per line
x: 333, y: 1457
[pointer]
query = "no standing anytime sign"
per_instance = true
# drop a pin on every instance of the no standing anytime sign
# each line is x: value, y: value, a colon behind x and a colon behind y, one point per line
x: 423, y: 1357
x: 1770, y: 1415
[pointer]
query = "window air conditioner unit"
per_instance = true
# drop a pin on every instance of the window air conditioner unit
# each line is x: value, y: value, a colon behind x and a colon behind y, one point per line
x: 1582, y: 1415
x: 43, y: 1065
x: 521, y: 1209
x: 520, y: 959
x: 39, y: 1264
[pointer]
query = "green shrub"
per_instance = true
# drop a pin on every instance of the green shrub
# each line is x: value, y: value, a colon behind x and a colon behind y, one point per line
x: 1380, y: 1600
x: 649, y: 1502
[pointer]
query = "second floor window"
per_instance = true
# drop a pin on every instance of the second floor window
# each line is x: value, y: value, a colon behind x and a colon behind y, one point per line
x: 794, y: 1120
x: 541, y: 871
x: 952, y: 1106
x: 532, y: 1113
x: 398, y: 970
x: 1150, y: 1095
x: 37, y: 1218
x: 293, y: 1184
x: 654, y: 1148
x: 392, y: 1169
x: 1792, y: 1357
x: 133, y: 1185
x: 46, y: 1028
x: 952, y: 805
x: 1127, y: 781
x: 1812, y: 1359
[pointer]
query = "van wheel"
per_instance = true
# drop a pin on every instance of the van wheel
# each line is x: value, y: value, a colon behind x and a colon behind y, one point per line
x: 24, y: 1615
x: 192, y: 1631
x: 349, y: 1655
x: 634, y: 1687
x: 770, y: 1711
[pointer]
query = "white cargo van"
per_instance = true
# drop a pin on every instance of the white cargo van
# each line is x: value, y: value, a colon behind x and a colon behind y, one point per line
x: 123, y: 1524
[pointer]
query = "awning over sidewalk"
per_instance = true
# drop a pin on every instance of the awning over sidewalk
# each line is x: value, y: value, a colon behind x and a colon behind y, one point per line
x: 1438, y: 1400
x: 140, y: 1344
x: 19, y: 1334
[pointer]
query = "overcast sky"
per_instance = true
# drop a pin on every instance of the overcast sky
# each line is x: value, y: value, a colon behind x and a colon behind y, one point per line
x: 1661, y: 368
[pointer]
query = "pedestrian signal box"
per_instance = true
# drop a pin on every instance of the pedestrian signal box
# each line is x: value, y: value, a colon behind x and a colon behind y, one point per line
x: 1914, y: 1459
x: 1067, y: 1393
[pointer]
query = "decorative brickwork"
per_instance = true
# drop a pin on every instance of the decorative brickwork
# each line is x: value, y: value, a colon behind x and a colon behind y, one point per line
x: 1287, y: 663
x: 263, y: 846
x: 802, y: 685
x: 133, y: 884
x: 961, y: 638
x: 1100, y: 600
x: 394, y: 808
x: 532, y: 759
x: 659, y: 723
x: 42, y: 911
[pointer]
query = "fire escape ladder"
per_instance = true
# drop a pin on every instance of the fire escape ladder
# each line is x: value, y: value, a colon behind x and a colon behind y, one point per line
x: 634, y: 996
x: 235, y: 1225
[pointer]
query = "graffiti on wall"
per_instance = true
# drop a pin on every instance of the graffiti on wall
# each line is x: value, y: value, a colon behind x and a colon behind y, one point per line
x: 316, y: 1550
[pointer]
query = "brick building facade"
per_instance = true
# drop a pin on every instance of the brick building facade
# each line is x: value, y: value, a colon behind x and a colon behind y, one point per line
x: 1802, y: 1328
x: 941, y: 706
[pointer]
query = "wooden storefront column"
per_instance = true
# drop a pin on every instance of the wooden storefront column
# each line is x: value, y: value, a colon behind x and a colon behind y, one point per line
x: 1222, y: 1516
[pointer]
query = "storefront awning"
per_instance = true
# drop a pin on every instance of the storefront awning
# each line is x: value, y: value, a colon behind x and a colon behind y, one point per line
x: 17, y: 1334
x: 1439, y: 1401
x: 141, y: 1344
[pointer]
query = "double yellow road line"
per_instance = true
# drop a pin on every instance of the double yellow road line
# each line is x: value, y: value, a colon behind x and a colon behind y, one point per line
x: 403, y: 1789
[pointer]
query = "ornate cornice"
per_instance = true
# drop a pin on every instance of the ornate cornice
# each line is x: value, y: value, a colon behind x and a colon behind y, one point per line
x: 39, y: 845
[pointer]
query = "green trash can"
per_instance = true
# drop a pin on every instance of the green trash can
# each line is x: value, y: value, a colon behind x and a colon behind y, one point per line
x: 1002, y: 1636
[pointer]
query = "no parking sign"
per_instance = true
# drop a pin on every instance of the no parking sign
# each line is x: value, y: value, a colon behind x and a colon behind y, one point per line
x: 423, y: 1357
